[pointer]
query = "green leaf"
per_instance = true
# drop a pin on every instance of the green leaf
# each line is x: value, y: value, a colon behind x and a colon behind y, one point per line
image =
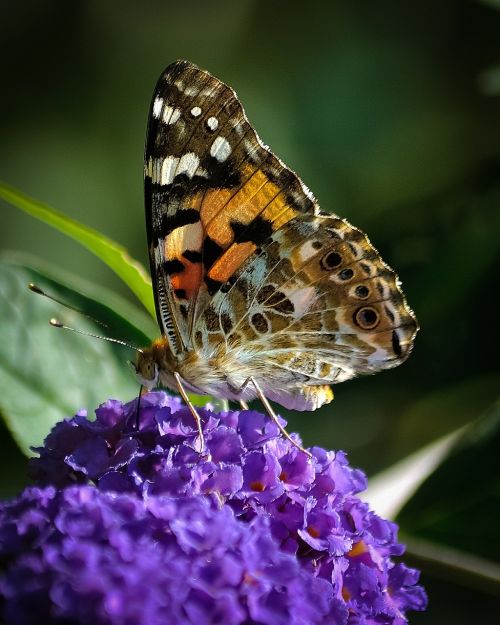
x: 140, y: 328
x: 390, y: 490
x: 459, y: 504
x: 47, y: 374
x: 448, y: 498
x: 452, y: 565
x: 113, y: 254
x: 215, y: 403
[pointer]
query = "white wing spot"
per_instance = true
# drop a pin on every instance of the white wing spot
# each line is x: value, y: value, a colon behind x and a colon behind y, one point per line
x: 212, y: 123
x: 220, y: 149
x: 171, y: 115
x: 157, y: 106
x: 208, y: 92
x: 307, y: 251
x: 168, y: 168
x: 302, y: 300
x: 237, y: 125
x: 182, y: 238
x: 196, y: 111
x: 191, y: 90
x: 164, y: 172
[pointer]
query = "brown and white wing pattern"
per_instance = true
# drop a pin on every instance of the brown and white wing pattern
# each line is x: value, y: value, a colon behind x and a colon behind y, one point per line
x: 316, y: 306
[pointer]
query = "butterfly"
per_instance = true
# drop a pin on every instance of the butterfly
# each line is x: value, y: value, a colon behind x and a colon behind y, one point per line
x: 258, y: 292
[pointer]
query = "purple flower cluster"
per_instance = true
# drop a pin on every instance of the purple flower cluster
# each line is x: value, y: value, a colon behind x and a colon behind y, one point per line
x: 92, y: 557
x: 253, y: 531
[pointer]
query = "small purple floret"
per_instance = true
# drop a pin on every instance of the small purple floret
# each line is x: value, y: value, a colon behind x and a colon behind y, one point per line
x: 144, y: 529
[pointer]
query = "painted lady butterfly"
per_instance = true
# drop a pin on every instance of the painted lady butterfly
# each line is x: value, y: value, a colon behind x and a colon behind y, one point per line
x: 258, y: 292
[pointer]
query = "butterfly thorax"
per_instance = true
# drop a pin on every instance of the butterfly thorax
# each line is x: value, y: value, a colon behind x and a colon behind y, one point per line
x: 221, y: 374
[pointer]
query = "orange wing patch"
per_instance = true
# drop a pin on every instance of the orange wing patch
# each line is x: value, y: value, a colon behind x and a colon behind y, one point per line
x: 183, y: 247
x: 241, y: 220
x: 187, y: 282
x: 231, y: 261
x: 237, y: 220
x: 241, y: 207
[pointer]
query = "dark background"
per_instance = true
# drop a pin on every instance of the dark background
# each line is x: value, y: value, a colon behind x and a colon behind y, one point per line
x: 389, y: 111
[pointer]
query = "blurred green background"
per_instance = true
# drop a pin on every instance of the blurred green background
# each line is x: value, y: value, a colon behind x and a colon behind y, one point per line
x: 389, y: 111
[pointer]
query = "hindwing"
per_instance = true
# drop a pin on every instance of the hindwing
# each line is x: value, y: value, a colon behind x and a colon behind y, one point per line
x: 316, y: 305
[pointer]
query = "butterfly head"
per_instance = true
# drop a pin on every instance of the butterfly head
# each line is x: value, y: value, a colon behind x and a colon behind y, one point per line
x: 152, y: 361
x: 146, y: 369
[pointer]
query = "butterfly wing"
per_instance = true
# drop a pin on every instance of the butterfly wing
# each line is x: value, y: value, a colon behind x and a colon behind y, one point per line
x: 213, y: 194
x: 248, y: 272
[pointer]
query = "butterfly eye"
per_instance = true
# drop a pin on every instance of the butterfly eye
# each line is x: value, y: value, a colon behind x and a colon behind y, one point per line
x: 366, y: 318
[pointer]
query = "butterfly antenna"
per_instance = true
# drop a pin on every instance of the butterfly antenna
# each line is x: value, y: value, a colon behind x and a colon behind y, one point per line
x: 57, y: 324
x: 36, y: 289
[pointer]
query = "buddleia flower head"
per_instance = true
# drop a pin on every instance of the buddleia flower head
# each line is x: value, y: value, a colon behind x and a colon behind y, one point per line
x: 136, y: 526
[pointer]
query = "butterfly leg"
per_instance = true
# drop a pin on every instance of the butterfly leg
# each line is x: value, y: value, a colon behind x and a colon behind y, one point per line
x: 243, y: 404
x: 137, y: 412
x: 274, y: 417
x: 188, y: 403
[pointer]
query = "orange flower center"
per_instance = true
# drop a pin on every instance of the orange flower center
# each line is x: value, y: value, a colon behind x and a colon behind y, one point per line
x: 358, y: 549
x: 258, y: 487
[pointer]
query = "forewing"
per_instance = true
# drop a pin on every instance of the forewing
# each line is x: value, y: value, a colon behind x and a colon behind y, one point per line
x: 214, y: 195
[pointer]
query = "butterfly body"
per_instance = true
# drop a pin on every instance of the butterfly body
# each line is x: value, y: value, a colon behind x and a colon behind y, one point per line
x: 251, y: 278
x: 223, y: 375
x: 219, y: 374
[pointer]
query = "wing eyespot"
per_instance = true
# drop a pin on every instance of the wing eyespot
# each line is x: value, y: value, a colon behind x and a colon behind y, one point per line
x: 330, y: 261
x: 366, y: 318
x: 362, y: 291
x: 346, y: 274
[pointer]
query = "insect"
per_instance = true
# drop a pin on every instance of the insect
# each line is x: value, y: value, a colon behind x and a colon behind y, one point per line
x: 258, y: 292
